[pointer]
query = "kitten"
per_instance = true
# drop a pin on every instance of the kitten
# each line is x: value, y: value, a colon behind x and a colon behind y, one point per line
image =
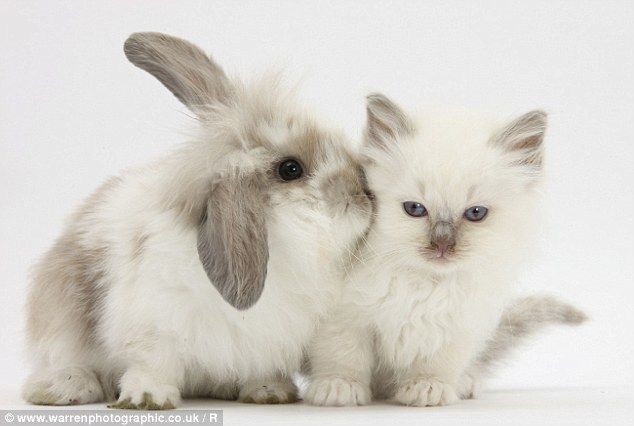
x: 454, y: 199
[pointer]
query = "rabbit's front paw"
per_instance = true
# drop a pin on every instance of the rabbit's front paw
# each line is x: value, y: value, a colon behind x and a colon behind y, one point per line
x: 274, y: 392
x: 337, y: 392
x: 144, y: 393
x: 66, y: 386
x: 426, y: 393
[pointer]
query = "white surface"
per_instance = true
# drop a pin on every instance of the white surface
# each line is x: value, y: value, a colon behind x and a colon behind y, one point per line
x: 73, y: 111
x: 565, y: 406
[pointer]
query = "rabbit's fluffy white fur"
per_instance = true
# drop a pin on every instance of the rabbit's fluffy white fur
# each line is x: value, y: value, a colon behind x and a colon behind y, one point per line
x: 430, y: 290
x: 123, y: 304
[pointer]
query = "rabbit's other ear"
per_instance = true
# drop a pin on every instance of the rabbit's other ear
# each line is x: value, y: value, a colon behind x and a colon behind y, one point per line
x: 232, y: 240
x: 183, y: 68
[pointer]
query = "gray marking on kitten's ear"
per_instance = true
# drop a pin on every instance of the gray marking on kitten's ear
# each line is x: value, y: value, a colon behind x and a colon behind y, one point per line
x: 386, y: 121
x: 232, y: 240
x: 183, y: 68
x: 525, y: 135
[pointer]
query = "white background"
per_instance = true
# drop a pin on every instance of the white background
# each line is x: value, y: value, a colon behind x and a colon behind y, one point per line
x: 73, y: 111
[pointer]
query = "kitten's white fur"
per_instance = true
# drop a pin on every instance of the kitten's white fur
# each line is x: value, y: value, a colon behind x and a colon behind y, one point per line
x: 407, y: 323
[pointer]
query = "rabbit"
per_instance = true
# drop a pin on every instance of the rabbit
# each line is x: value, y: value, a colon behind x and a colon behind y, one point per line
x: 203, y: 273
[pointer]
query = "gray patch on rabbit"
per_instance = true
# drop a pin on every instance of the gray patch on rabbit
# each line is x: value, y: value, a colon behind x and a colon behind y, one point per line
x: 71, y: 274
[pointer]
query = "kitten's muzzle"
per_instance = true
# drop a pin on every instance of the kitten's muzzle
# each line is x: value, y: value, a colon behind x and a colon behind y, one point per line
x: 442, y: 239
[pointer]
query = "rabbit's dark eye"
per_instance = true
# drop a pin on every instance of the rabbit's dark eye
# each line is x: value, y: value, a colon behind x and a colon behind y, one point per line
x: 475, y: 213
x: 414, y: 209
x: 290, y: 170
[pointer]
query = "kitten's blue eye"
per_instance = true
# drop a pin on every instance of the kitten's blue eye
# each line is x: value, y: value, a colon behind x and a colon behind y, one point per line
x: 475, y: 213
x: 414, y: 209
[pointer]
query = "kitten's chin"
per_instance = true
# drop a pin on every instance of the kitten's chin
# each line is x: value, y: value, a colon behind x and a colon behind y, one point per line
x: 441, y: 265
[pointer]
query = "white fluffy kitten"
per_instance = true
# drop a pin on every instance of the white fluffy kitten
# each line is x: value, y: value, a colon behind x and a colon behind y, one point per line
x: 454, y: 204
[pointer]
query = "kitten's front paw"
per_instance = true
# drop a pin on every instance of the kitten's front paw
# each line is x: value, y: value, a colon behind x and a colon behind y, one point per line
x: 144, y: 393
x: 425, y: 393
x: 280, y: 392
x: 468, y: 387
x: 338, y: 392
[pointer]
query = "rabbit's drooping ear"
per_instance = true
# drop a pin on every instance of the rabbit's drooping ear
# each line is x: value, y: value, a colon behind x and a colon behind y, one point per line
x: 386, y: 121
x: 183, y: 68
x: 232, y: 241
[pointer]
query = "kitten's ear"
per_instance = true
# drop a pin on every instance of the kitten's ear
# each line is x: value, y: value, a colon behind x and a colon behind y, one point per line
x: 386, y: 121
x: 524, y: 137
x: 183, y: 68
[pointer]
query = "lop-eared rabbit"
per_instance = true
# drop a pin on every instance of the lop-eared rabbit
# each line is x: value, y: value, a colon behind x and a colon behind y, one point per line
x: 145, y: 294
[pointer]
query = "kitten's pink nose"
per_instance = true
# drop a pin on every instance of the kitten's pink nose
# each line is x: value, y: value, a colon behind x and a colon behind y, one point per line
x: 443, y: 246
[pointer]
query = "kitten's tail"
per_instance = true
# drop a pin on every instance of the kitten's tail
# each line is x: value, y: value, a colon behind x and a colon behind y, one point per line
x: 521, y: 320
